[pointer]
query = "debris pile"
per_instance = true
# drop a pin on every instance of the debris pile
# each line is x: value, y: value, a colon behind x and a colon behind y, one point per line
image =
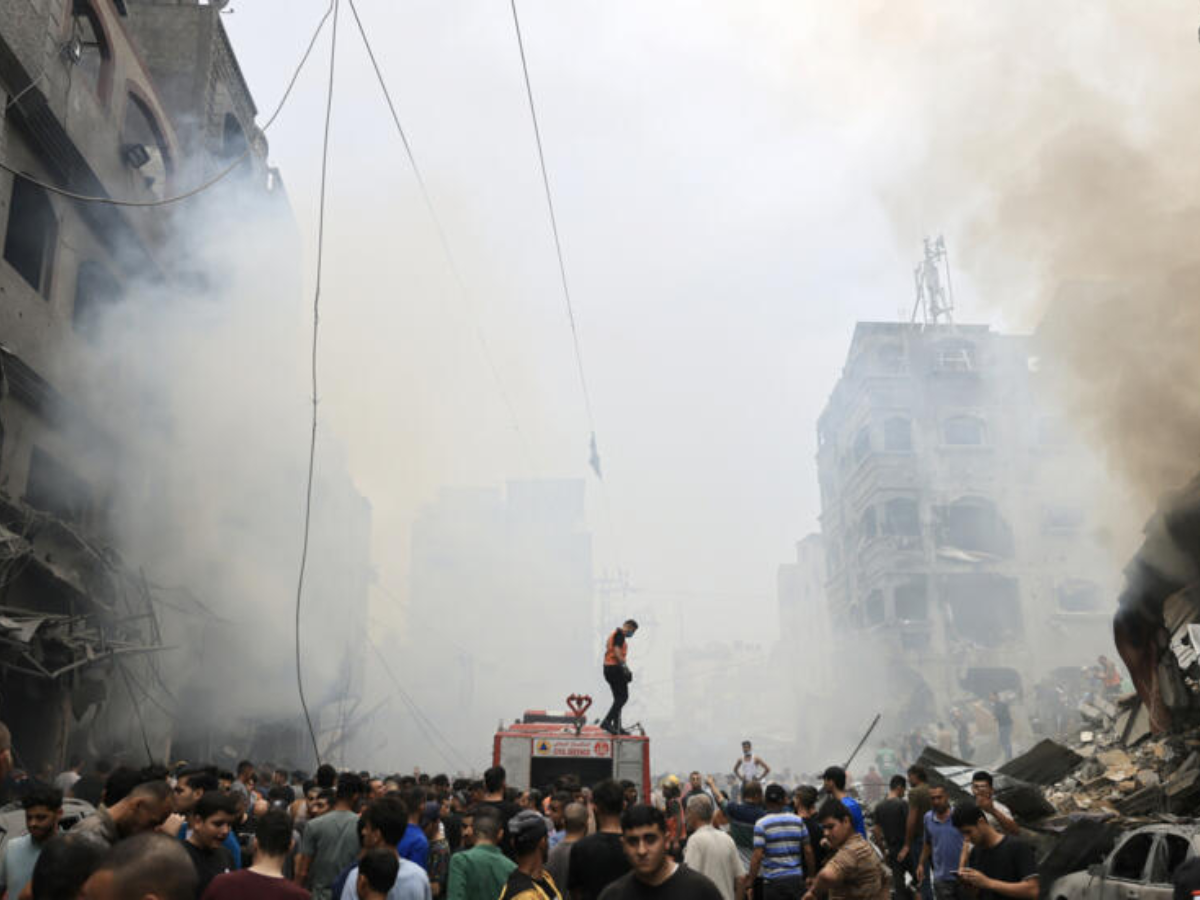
x: 1124, y: 772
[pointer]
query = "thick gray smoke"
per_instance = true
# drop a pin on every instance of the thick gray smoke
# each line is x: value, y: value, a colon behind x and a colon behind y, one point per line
x: 203, y: 376
x: 1056, y: 145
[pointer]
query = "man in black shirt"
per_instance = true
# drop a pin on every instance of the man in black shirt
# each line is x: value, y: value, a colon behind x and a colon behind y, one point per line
x: 599, y: 859
x: 1000, y: 867
x: 891, y: 824
x: 495, y: 787
x: 211, y: 819
x: 806, y: 809
x: 655, y: 874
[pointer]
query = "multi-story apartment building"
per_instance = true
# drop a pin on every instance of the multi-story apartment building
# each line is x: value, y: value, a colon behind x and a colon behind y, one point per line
x: 960, y: 548
x: 136, y: 101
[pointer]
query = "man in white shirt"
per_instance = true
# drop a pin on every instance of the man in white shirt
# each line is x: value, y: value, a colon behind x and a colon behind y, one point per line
x: 750, y: 767
x: 711, y: 852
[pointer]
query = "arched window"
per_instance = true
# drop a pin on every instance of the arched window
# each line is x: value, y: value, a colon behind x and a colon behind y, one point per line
x: 964, y: 431
x: 143, y: 145
x: 32, y: 235
x: 95, y: 56
x: 897, y: 435
x: 96, y: 292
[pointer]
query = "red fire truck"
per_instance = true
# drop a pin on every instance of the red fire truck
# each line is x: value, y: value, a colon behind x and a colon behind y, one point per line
x: 543, y: 746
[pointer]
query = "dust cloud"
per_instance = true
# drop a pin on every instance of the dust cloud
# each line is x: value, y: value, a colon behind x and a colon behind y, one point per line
x: 1057, y: 146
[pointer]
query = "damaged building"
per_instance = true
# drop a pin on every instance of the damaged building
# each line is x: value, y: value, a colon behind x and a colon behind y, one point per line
x: 138, y: 100
x: 954, y: 516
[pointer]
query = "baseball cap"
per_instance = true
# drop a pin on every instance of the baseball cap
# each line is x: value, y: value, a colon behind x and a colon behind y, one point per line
x: 775, y: 794
x: 527, y: 825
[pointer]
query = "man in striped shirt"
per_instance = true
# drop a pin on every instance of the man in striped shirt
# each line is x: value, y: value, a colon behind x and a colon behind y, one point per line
x: 782, y: 853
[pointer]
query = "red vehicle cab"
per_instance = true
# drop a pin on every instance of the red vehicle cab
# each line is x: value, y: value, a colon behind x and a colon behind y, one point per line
x: 543, y: 746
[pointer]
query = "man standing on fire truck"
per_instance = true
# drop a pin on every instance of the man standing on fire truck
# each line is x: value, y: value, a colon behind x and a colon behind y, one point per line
x: 617, y: 674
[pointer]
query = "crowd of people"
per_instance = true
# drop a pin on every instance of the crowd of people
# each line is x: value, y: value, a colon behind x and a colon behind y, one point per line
x: 199, y: 833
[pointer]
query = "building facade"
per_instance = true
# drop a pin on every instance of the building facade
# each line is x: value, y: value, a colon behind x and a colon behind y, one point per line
x: 136, y: 101
x: 961, y: 554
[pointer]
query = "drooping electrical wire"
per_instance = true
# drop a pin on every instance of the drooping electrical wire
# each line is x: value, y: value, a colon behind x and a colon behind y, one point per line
x: 199, y: 189
x: 594, y: 459
x: 312, y: 445
x: 444, y: 241
x: 424, y: 723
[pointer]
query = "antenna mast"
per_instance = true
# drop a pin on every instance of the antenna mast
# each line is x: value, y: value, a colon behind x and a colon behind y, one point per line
x: 934, y: 302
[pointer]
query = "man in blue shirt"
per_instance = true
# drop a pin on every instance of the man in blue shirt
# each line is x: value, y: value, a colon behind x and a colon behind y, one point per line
x: 414, y: 846
x: 782, y: 852
x: 835, y: 786
x: 943, y: 847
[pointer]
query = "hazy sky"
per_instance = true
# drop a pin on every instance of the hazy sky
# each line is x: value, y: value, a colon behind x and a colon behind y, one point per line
x: 719, y: 238
x: 736, y: 183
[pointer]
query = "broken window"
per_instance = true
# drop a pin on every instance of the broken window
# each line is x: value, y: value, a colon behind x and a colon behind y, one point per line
x: 862, y: 444
x: 875, y: 610
x: 901, y: 518
x: 964, y: 431
x: 1077, y: 595
x: 983, y: 609
x: 972, y: 526
x: 96, y: 292
x: 32, y: 235
x: 95, y: 57
x: 955, y: 356
x: 897, y: 435
x: 911, y: 602
x: 1169, y: 854
x: 144, y: 147
x: 55, y: 489
x: 1129, y: 862
x: 891, y: 359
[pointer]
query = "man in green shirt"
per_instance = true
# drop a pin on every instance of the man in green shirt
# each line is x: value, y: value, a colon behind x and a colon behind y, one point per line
x: 481, y: 872
x: 330, y: 843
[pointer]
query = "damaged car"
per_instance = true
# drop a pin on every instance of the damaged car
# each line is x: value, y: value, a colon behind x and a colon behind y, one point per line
x: 1140, y: 866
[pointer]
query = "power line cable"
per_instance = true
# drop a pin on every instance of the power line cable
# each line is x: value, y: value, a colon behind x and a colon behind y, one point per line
x: 199, y: 189
x: 423, y: 721
x: 562, y: 268
x: 312, y: 445
x: 443, y: 240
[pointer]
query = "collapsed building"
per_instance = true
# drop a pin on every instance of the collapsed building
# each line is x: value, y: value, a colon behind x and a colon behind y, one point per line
x: 138, y: 100
x: 954, y: 517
